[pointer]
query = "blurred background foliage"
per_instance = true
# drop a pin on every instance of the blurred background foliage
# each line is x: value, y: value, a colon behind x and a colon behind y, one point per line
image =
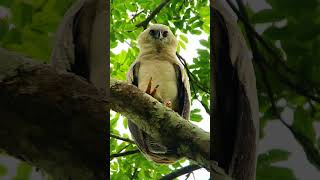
x: 28, y: 26
x: 184, y: 18
x: 286, y: 55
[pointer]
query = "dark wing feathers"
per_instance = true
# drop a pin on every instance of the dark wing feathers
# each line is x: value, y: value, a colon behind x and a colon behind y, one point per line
x: 183, y: 96
x: 137, y: 134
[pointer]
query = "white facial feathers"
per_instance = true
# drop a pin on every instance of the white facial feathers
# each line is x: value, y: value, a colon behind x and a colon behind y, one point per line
x: 159, y: 37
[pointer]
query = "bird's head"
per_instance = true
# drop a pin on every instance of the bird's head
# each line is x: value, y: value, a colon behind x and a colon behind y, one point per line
x: 157, y: 37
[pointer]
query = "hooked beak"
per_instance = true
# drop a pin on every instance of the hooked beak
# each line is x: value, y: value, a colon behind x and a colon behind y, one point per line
x: 156, y: 34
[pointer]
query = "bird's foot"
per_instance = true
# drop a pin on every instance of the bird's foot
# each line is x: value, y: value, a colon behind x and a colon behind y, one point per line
x: 149, y: 91
x: 168, y: 104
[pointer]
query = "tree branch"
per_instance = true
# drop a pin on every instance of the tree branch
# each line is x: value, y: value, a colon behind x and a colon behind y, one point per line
x: 145, y: 23
x: 121, y: 138
x: 129, y: 152
x: 165, y: 124
x: 135, y: 172
x: 191, y: 76
x: 43, y: 111
x: 135, y: 15
x: 180, y: 172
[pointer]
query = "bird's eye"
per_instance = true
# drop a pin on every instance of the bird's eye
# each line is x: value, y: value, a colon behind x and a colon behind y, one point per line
x: 165, y: 34
x: 151, y: 32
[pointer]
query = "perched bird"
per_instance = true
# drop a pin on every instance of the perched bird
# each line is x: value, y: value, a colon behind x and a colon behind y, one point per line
x: 158, y: 72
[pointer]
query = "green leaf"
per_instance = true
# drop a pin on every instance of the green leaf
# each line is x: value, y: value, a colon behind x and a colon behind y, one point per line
x: 6, y: 3
x: 193, y: 19
x: 273, y: 156
x: 125, y: 123
x: 23, y: 171
x: 266, y: 15
x: 195, y: 31
x: 4, y: 27
x: 183, y: 38
x: 198, y: 24
x: 204, y: 11
x: 274, y: 173
x: 205, y: 43
x: 14, y: 36
x: 3, y: 170
x: 181, y: 43
x: 21, y: 14
x: 195, y: 115
x: 265, y: 169
x: 303, y: 123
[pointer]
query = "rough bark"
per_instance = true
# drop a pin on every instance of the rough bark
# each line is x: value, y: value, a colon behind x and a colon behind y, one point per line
x: 159, y: 121
x: 55, y: 121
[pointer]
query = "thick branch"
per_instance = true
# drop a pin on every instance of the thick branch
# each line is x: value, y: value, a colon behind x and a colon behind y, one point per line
x: 152, y: 117
x: 55, y: 121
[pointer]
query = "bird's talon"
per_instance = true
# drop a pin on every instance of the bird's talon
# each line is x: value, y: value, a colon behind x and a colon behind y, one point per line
x: 149, y: 86
x: 154, y: 91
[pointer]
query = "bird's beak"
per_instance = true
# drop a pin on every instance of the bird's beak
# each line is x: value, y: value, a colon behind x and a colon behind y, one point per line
x: 158, y: 35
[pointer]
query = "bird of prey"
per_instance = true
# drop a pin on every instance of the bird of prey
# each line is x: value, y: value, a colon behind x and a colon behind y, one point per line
x: 158, y: 72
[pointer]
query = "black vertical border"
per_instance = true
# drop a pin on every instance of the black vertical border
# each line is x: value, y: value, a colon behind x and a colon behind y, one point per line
x: 212, y: 72
x: 107, y: 130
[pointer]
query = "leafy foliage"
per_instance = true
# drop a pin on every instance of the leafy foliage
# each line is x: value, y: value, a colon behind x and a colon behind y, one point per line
x: 30, y: 26
x: 291, y: 52
x: 265, y: 169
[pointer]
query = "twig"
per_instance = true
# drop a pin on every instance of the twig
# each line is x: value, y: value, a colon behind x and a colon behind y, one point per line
x: 180, y: 172
x: 135, y: 15
x: 204, y: 106
x: 123, y: 148
x: 188, y: 175
x: 193, y: 176
x: 145, y: 23
x: 121, y: 138
x: 134, y: 173
x: 191, y: 76
x: 129, y: 152
x: 194, y: 81
x: 313, y: 109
